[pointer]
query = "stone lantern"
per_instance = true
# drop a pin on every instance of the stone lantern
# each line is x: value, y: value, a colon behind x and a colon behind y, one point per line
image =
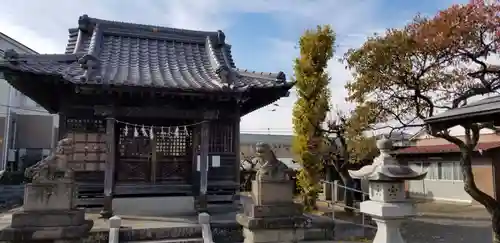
x: 388, y: 205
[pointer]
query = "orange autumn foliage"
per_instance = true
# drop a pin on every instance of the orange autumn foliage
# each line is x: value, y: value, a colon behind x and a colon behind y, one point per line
x: 430, y: 64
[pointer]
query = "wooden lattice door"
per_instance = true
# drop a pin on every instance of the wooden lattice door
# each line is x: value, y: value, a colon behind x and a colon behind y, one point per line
x: 134, y: 160
x: 173, y: 156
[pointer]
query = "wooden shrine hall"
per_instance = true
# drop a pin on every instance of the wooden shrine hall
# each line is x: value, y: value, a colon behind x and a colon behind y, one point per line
x: 153, y: 112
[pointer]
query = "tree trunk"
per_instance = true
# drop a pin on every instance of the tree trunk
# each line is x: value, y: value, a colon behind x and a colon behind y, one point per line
x: 490, y: 203
x: 466, y: 151
x: 348, y: 183
x: 495, y: 223
x: 309, y: 201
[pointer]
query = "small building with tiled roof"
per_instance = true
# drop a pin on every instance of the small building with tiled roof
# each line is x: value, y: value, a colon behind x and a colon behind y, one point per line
x: 441, y: 158
x: 153, y: 111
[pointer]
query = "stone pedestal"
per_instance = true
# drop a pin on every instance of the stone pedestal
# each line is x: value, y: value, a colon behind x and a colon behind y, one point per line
x: 48, y: 215
x: 388, y: 207
x: 272, y: 192
x: 272, y: 216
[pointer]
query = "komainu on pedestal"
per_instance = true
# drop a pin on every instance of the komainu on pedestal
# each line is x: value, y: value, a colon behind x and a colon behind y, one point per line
x: 272, y: 215
x: 48, y: 213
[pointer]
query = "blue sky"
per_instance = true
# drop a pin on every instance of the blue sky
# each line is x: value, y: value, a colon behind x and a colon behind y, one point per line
x: 263, y: 33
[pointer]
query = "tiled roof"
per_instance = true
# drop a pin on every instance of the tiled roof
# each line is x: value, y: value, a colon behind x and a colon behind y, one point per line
x: 117, y: 53
x: 444, y: 148
x: 481, y: 110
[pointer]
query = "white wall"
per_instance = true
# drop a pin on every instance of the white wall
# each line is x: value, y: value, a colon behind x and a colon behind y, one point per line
x: 16, y: 97
x: 439, y: 190
x: 25, y: 105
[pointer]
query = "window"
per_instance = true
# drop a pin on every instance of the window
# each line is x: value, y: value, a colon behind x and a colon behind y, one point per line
x: 446, y: 171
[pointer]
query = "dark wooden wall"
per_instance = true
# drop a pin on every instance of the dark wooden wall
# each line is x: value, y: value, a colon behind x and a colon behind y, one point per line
x: 87, y: 126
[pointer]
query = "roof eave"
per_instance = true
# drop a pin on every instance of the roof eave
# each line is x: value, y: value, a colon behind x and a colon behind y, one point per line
x: 485, y: 110
x: 37, y: 91
x: 254, y: 103
x: 445, y: 122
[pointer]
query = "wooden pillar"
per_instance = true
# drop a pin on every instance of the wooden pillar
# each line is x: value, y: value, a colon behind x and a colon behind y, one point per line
x: 204, y: 142
x: 109, y: 171
x: 237, y: 150
x: 154, y: 160
x: 63, y: 130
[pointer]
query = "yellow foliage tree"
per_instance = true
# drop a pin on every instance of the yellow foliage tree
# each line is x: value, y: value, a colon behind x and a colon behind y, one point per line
x: 311, y: 107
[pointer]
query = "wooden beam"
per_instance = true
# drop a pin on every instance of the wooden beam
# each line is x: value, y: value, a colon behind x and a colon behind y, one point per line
x: 109, y: 171
x: 159, y: 112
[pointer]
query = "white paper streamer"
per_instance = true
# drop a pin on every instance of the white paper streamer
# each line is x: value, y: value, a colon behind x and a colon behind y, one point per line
x: 143, y: 131
x: 125, y: 131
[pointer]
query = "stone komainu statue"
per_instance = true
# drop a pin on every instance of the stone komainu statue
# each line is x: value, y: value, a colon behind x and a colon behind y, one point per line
x: 51, y: 168
x: 270, y: 167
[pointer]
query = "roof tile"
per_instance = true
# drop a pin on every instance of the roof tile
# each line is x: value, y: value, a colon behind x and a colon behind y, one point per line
x: 483, y: 107
x: 444, y: 148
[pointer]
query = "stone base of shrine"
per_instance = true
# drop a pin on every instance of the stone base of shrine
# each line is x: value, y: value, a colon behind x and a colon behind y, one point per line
x: 154, y: 206
x: 50, y: 225
x: 286, y: 229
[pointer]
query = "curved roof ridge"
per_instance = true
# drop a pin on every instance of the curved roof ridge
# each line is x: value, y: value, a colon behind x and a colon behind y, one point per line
x: 280, y: 76
x: 129, y: 26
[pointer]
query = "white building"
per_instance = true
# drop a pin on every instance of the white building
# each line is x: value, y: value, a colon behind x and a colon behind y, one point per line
x: 27, y: 131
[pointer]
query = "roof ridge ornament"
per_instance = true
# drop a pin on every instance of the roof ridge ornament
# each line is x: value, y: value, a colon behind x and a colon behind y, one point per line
x: 11, y: 55
x: 281, y: 77
x: 92, y: 66
x: 220, y: 41
x: 226, y: 75
x: 85, y: 24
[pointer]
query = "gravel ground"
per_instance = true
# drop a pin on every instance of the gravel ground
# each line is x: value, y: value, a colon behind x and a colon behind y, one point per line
x: 434, y: 230
x: 438, y: 222
x: 430, y: 230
